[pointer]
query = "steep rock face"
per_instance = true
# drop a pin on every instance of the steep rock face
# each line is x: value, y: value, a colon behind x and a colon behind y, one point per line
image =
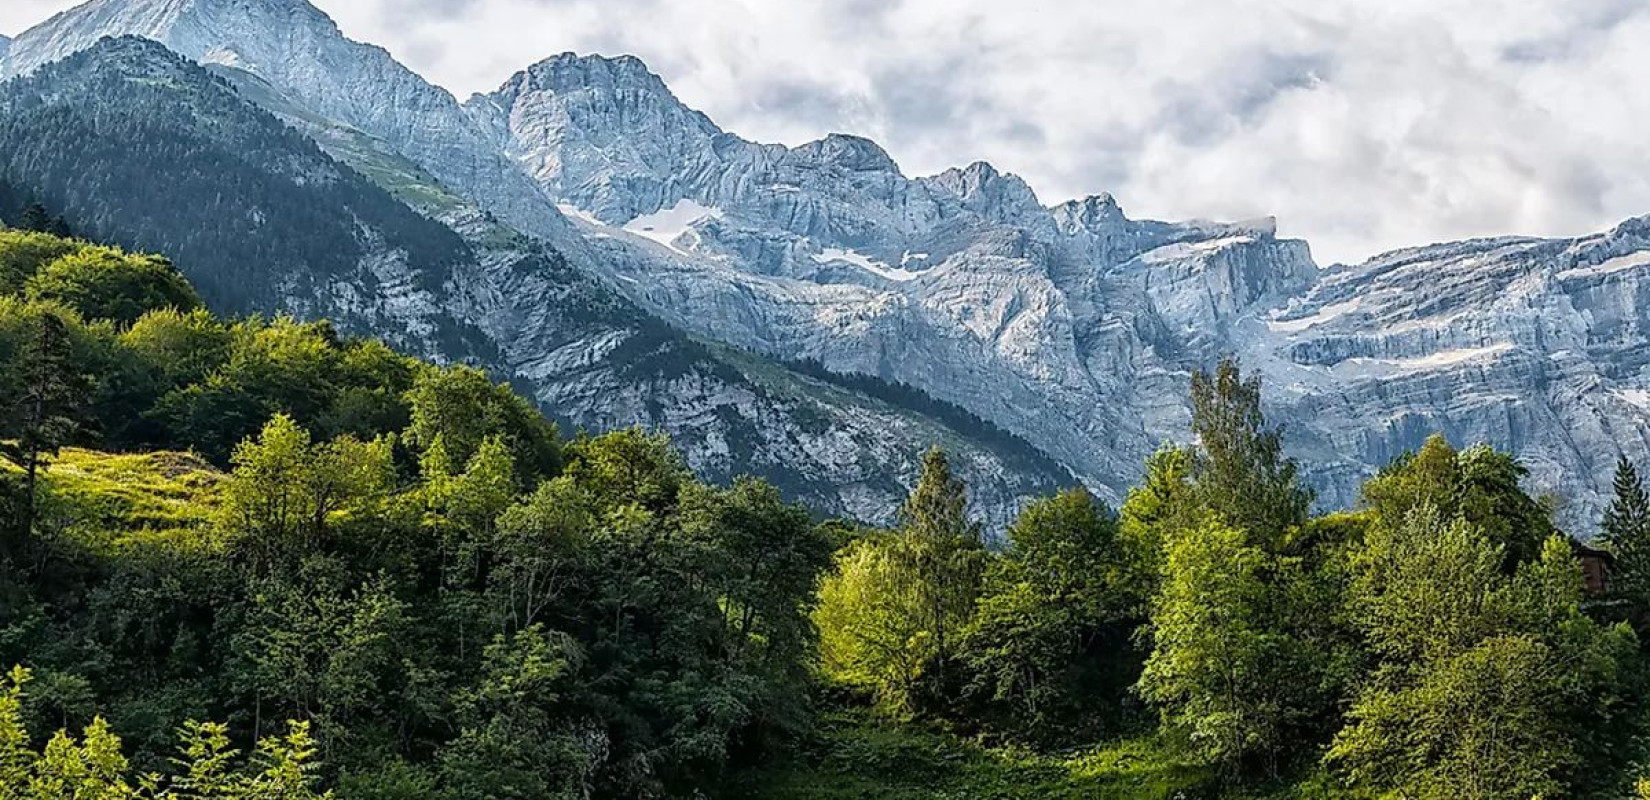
x: 493, y: 297
x: 299, y: 228
x: 1536, y: 345
x: 615, y: 176
x: 962, y: 284
x: 1075, y: 326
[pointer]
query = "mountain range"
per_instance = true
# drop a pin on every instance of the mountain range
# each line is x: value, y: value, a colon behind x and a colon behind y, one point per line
x: 811, y: 313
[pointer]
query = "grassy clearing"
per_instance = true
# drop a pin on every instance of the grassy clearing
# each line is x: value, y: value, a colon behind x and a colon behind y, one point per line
x: 857, y: 757
x: 112, y: 499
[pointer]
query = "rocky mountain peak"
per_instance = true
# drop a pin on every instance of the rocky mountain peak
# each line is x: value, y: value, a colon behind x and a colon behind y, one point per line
x: 1094, y: 214
x: 203, y: 29
x: 597, y: 99
x: 850, y: 152
x: 114, y: 58
x: 572, y: 71
x: 996, y: 196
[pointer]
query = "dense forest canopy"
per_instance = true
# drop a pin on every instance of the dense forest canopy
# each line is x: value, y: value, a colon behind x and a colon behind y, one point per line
x: 254, y: 559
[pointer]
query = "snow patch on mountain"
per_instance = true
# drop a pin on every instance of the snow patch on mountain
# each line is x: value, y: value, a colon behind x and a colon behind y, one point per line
x: 836, y: 255
x: 667, y: 227
x: 1610, y: 267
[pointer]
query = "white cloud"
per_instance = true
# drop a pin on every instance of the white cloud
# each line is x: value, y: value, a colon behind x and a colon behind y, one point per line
x: 1362, y: 126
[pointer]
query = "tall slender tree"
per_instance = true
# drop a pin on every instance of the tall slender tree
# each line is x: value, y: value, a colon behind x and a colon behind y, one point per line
x: 1628, y: 517
x: 1239, y: 468
x: 943, y: 550
x: 1626, y: 531
x: 45, y: 395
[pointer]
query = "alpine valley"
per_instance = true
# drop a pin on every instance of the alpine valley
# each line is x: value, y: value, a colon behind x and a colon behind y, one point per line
x: 809, y: 314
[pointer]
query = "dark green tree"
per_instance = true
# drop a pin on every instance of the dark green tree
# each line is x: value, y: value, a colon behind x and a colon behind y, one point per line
x: 1048, y: 651
x: 1626, y: 532
x: 944, y: 550
x: 44, y: 396
x: 36, y: 218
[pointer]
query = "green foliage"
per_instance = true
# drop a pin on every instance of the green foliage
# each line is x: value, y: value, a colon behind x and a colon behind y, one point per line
x: 1238, y: 469
x: 371, y: 568
x: 93, y: 768
x: 104, y: 283
x: 1483, y: 679
x: 285, y: 491
x: 403, y: 568
x: 1247, y: 652
x: 24, y: 253
x: 1222, y: 669
x: 1049, y: 649
x: 460, y: 406
x: 1625, y: 530
x: 891, y: 615
x: 861, y: 757
x: 41, y: 395
x: 870, y: 624
x: 1478, y: 485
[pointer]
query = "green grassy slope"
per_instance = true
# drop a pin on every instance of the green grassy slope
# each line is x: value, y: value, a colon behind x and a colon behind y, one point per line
x: 856, y: 757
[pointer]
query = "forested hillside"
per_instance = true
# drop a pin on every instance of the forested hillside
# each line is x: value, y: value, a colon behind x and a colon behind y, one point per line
x: 255, y: 193
x: 254, y: 558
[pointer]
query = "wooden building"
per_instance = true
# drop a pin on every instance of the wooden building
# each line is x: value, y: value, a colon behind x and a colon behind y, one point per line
x: 1595, y: 567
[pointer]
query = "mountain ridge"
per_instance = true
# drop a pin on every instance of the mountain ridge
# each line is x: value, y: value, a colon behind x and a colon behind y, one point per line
x: 1072, y: 326
x: 589, y: 357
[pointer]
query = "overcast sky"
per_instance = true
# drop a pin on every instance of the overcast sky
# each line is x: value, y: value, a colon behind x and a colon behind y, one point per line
x: 1361, y: 125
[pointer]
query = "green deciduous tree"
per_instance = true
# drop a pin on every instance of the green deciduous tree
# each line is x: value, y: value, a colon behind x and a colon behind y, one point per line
x: 1221, y: 669
x: 1479, y: 485
x: 286, y: 491
x: 94, y: 768
x: 462, y: 407
x: 1483, y: 678
x: 1238, y: 467
x: 871, y: 624
x: 898, y: 604
x: 104, y: 283
x: 1048, y: 649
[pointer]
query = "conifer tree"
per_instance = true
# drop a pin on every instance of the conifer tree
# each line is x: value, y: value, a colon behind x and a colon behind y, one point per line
x: 44, y: 397
x: 1626, y: 531
x: 1628, y: 517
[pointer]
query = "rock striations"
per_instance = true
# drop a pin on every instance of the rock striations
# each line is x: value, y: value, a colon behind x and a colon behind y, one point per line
x: 1073, y: 326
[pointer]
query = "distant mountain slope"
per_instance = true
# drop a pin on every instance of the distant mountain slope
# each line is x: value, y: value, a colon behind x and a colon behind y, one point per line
x: 1072, y: 326
x: 154, y: 152
x: 141, y: 148
x: 293, y: 45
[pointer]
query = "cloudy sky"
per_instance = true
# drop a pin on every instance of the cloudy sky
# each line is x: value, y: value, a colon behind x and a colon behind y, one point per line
x: 1361, y: 125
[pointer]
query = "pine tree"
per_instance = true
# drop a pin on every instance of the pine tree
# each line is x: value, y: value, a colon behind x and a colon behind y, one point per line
x: 36, y: 218
x: 43, y: 404
x: 1626, y: 531
x: 1628, y: 517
